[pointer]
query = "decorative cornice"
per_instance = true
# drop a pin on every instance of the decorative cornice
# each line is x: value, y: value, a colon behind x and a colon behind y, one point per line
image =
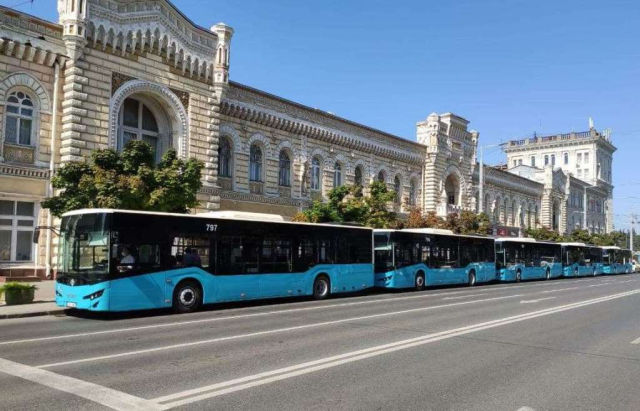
x: 29, y: 24
x: 285, y: 123
x: 28, y: 172
x: 156, y: 24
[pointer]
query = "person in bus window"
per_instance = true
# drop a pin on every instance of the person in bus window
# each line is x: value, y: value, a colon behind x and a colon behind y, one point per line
x: 127, y: 258
x: 191, y: 258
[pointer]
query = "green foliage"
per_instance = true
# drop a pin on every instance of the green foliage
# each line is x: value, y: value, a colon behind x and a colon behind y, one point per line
x: 348, y: 204
x: 128, y: 180
x: 14, y: 286
x: 544, y: 234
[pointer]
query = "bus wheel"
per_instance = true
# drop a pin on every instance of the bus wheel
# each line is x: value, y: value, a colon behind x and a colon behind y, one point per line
x: 419, y: 283
x: 548, y: 276
x: 187, y: 297
x: 321, y: 287
x: 472, y: 278
x: 518, y: 276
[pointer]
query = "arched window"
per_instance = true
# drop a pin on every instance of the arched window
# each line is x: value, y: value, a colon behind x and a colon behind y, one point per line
x: 546, y: 160
x: 284, y: 175
x: 138, y: 123
x: 397, y: 186
x: 412, y: 192
x: 19, y: 119
x: 337, y: 175
x: 553, y: 160
x: 566, y: 158
x: 224, y: 158
x: 533, y: 161
x: 255, y: 163
x: 315, y: 174
x: 358, y: 178
x: 381, y: 177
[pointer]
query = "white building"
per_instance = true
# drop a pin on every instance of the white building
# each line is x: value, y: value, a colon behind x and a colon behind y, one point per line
x: 587, y: 158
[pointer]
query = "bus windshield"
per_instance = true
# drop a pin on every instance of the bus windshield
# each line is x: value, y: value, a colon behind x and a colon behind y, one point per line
x: 84, y: 249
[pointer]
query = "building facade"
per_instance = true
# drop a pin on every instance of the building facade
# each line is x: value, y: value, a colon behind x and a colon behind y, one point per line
x: 114, y: 70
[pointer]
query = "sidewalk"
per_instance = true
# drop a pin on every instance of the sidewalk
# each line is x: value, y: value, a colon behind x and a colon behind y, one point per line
x: 43, y: 303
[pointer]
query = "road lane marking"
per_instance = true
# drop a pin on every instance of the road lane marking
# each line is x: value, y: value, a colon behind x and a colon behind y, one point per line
x: 559, y: 289
x: 261, y: 314
x: 277, y: 312
x: 636, y: 341
x: 215, y: 390
x: 267, y: 332
x: 461, y: 297
x: 536, y: 301
x: 108, y: 397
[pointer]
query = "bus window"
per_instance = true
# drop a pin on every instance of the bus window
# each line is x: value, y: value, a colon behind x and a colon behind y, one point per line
x: 190, y: 251
x: 275, y: 256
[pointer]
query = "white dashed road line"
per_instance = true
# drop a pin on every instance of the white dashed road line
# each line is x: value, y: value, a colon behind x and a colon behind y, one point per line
x: 239, y: 384
x: 268, y: 332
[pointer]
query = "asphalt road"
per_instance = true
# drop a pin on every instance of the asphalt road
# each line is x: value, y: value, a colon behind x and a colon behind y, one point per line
x: 571, y: 344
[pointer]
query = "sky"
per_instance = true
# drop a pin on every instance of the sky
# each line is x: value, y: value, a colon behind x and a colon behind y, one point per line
x: 511, y: 68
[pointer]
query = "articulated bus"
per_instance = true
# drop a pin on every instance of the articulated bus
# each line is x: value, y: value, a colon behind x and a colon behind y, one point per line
x: 116, y: 260
x: 415, y: 258
x: 527, y: 259
x: 581, y: 260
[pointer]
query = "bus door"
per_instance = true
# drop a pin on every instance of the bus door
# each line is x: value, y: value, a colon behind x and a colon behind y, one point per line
x: 237, y: 272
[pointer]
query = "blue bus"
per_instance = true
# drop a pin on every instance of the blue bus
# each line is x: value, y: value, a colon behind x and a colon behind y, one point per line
x: 527, y: 259
x: 416, y: 258
x: 117, y: 260
x: 581, y: 260
x: 624, y: 260
x: 609, y: 259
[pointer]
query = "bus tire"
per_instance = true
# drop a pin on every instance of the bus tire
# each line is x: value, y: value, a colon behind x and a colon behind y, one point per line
x: 518, y: 276
x: 548, y: 275
x: 187, y: 296
x: 472, y: 278
x: 419, y: 283
x: 321, y: 287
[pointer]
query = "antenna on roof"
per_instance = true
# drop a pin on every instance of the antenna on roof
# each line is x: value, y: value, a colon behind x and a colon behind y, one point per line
x: 590, y: 123
x: 606, y: 133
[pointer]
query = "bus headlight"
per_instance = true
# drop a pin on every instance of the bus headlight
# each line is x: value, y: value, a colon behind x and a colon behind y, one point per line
x: 93, y: 296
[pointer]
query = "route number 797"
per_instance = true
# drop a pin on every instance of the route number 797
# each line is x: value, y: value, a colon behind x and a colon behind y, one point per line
x: 211, y: 227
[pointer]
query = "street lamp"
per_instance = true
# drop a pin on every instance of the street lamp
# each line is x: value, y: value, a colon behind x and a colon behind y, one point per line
x: 481, y: 178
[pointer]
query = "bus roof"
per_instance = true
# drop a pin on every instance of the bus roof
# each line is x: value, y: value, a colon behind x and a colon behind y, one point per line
x: 429, y: 231
x: 610, y: 247
x: 575, y: 244
x: 221, y: 215
x: 518, y: 239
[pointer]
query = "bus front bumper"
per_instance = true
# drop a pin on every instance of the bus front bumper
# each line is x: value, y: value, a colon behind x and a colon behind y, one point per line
x: 93, y: 297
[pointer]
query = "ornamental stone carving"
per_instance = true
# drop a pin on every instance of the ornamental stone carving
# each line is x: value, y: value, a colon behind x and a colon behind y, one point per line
x: 161, y: 92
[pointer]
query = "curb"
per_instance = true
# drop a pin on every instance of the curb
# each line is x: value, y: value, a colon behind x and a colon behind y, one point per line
x: 32, y: 314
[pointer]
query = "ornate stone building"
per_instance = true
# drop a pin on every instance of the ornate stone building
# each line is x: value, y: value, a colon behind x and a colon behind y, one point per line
x: 115, y: 70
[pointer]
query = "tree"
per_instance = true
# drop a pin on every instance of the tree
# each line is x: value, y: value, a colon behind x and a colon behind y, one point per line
x: 348, y: 204
x: 128, y: 180
x: 544, y: 234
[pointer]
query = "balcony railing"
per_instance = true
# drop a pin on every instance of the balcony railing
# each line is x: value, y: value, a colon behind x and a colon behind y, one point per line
x: 557, y: 137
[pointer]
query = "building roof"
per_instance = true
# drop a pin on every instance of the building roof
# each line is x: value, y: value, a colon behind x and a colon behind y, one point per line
x: 322, y: 113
